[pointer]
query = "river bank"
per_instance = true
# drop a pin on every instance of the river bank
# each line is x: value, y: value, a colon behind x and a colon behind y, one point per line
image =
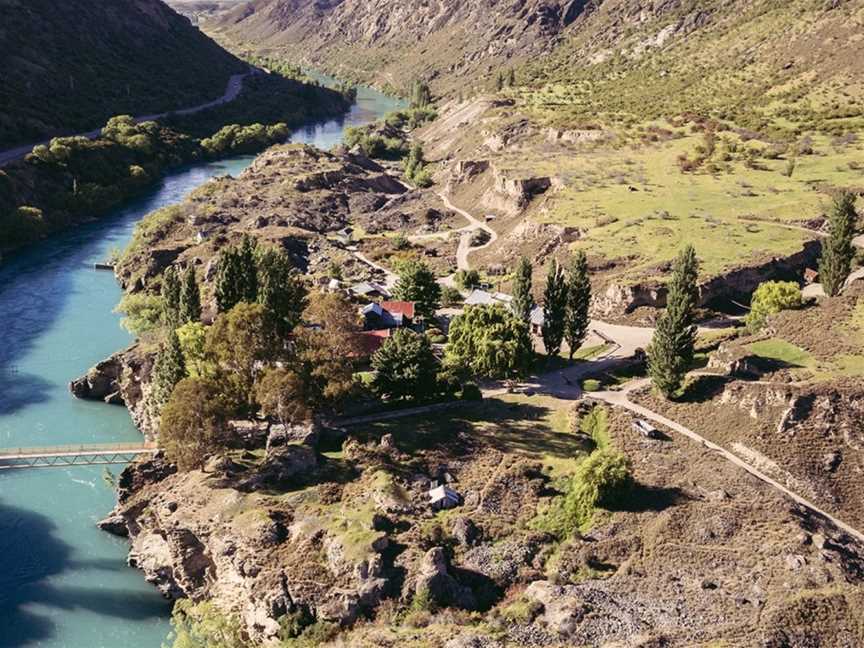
x: 62, y: 581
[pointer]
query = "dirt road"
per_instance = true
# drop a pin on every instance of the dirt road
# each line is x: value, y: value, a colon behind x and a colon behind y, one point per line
x: 621, y: 399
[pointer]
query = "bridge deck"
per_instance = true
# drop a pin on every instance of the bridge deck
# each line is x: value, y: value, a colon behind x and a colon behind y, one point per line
x: 80, y: 455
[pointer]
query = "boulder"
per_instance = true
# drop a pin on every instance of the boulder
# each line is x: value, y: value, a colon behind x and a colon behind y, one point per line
x: 115, y: 524
x: 435, y: 579
x: 466, y: 532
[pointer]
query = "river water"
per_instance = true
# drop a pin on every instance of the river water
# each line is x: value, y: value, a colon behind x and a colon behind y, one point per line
x: 64, y: 583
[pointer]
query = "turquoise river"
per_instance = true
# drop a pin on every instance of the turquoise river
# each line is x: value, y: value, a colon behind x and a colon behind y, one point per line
x: 64, y: 583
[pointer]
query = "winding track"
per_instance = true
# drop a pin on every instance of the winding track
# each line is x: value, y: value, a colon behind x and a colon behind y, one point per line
x: 232, y: 91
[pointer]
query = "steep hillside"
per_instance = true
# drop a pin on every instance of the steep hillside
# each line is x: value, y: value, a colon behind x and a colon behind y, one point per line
x: 69, y: 66
x: 392, y: 42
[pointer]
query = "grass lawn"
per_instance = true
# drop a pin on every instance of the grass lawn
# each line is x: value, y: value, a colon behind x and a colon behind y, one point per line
x: 533, y: 426
x: 782, y: 351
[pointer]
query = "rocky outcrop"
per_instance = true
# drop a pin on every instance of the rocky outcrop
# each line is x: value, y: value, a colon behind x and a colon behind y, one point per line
x: 203, y: 535
x: 102, y: 382
x: 435, y: 580
x: 735, y: 285
x: 122, y: 379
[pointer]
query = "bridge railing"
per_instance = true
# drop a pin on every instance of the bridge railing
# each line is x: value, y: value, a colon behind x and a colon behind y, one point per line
x: 86, y: 448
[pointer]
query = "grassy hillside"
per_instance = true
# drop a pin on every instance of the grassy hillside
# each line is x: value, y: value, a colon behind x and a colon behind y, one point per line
x: 775, y: 66
x: 69, y: 66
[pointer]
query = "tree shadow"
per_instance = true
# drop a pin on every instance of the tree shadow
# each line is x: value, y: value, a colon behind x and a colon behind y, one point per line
x: 507, y: 427
x: 31, y: 553
x: 642, y: 498
x: 703, y: 389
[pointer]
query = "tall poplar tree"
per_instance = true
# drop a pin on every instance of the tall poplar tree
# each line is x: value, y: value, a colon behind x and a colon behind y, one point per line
x: 168, y: 370
x: 171, y: 297
x: 578, y: 303
x: 190, y: 298
x: 248, y: 267
x: 228, y: 280
x: 280, y: 291
x: 554, y: 309
x: 671, y: 350
x: 523, y: 301
x: 237, y: 276
x: 837, y: 250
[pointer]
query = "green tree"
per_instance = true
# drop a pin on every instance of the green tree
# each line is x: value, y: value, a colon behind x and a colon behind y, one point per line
x: 420, y: 94
x: 467, y: 279
x: 228, y: 292
x: 238, y: 344
x: 194, y: 423
x: 143, y: 313
x: 237, y: 276
x: 554, y: 309
x: 415, y: 167
x: 450, y: 296
x: 578, y: 302
x: 417, y: 284
x: 523, y: 300
x: 282, y: 395
x: 488, y: 342
x: 671, y: 351
x: 769, y: 298
x: 280, y: 291
x: 193, y: 340
x: 248, y: 271
x: 837, y: 250
x: 171, y: 297
x: 190, y: 298
x: 168, y: 370
x: 405, y: 367
x: 599, y: 479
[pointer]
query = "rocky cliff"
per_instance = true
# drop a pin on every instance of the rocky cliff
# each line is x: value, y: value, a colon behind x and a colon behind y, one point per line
x: 291, y: 535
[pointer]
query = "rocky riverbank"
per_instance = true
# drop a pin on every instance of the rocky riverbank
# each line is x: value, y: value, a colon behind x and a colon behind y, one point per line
x: 297, y: 531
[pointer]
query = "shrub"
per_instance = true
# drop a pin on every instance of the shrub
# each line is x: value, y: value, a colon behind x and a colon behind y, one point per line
x: 450, y: 296
x: 771, y: 297
x: 470, y: 391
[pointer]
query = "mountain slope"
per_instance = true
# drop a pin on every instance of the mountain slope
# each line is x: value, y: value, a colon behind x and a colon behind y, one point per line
x: 68, y: 66
x: 392, y: 42
x: 757, y: 60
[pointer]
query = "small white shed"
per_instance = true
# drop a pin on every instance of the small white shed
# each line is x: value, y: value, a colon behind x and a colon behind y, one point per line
x: 442, y: 497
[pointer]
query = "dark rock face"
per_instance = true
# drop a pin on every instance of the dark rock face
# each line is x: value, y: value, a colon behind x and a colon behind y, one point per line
x: 138, y: 475
x: 102, y: 382
x: 114, y: 524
